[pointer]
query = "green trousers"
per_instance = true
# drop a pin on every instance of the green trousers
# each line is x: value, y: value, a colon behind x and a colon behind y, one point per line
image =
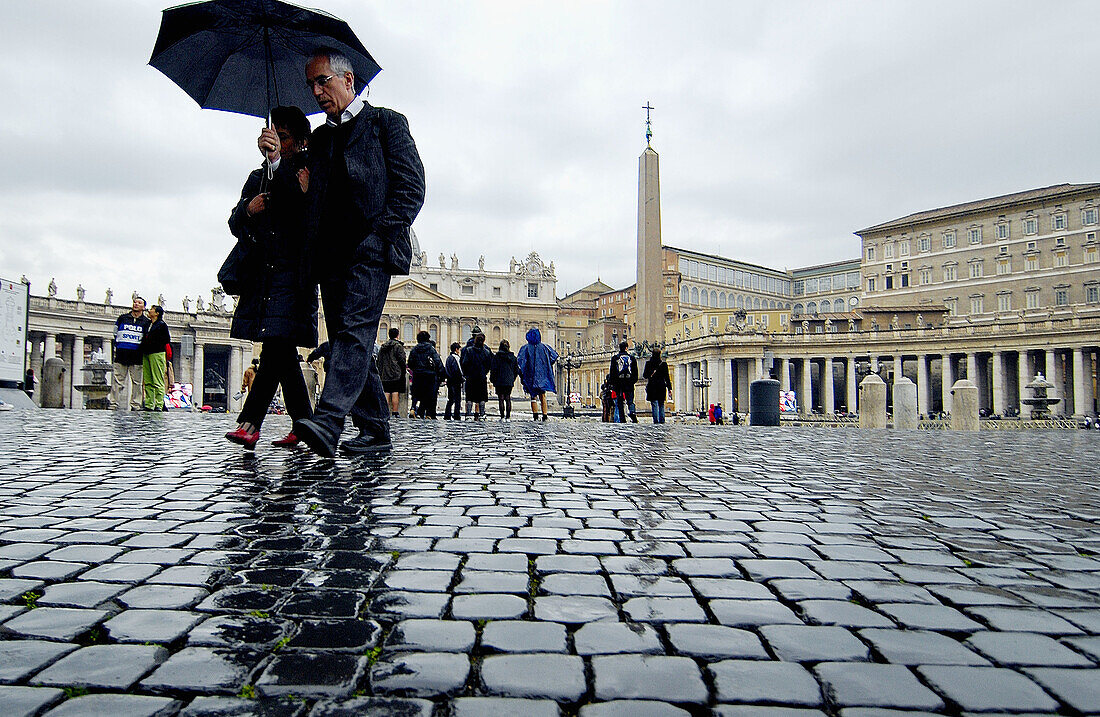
x: 154, y: 368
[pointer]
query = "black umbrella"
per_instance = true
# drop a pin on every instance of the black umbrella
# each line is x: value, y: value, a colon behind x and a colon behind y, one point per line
x: 247, y: 56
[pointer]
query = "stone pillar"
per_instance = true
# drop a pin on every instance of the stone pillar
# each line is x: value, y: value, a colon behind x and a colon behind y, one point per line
x: 828, y: 403
x: 972, y: 368
x: 874, y: 364
x: 924, y: 386
x: 680, y: 388
x: 758, y: 369
x: 872, y: 402
x: 850, y: 387
x: 806, y: 396
x: 67, y: 377
x: 50, y: 349
x: 905, y: 403
x: 197, y: 388
x: 1080, y: 407
x: 36, y: 364
x: 1044, y: 359
x: 899, y: 367
x: 233, y: 381
x: 1059, y: 380
x: 946, y: 382
x: 784, y: 368
x: 76, y: 376
x: 964, y: 417
x: 717, y: 370
x: 1023, y: 378
x: 998, y: 375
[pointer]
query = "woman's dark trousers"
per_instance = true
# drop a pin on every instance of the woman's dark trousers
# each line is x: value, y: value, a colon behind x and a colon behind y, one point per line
x: 454, y: 399
x: 278, y: 365
x: 424, y: 390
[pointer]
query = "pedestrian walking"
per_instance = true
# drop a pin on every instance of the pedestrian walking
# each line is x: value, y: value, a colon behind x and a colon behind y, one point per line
x: 126, y: 372
x: 502, y: 374
x: 718, y: 414
x: 658, y: 383
x: 462, y: 355
x: 393, y: 370
x: 366, y: 186
x: 606, y: 398
x: 624, y: 372
x: 427, y: 369
x: 475, y: 362
x: 154, y: 360
x: 536, y: 374
x: 278, y: 300
x: 454, y: 386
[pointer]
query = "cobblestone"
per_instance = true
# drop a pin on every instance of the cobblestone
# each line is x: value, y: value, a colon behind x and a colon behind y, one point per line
x: 500, y: 569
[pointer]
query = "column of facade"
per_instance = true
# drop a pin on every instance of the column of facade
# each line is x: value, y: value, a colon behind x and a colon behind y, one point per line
x: 720, y: 381
x: 783, y: 366
x: 924, y: 387
x: 36, y: 363
x: 1080, y: 407
x: 680, y: 387
x: 76, y: 398
x: 850, y: 387
x: 234, y: 380
x: 805, y: 398
x: 874, y: 364
x: 67, y: 378
x: 1059, y: 379
x: 1023, y: 378
x: 1042, y: 363
x: 999, y: 378
x: 946, y: 382
x: 899, y: 367
x: 828, y: 402
x: 972, y: 367
x: 197, y: 389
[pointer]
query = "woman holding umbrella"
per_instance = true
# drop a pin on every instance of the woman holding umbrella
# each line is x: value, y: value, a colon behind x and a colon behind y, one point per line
x: 278, y: 302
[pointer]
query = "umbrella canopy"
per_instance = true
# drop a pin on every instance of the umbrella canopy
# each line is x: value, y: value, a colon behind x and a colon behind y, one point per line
x: 247, y: 56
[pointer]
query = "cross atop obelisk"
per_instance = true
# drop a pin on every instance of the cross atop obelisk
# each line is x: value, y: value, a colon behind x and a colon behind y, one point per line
x: 648, y: 128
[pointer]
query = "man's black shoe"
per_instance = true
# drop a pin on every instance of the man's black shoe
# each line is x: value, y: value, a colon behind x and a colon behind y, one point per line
x: 316, y: 437
x: 365, y: 443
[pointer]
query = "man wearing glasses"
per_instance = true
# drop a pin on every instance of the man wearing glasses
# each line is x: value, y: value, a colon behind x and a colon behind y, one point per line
x: 365, y: 186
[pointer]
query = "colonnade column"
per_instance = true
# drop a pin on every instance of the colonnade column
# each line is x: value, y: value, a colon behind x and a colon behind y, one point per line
x: 718, y: 369
x: 947, y: 382
x: 197, y: 377
x: 1082, y: 373
x: 805, y: 397
x: 234, y: 378
x: 828, y: 403
x: 899, y: 370
x: 50, y: 350
x: 924, y: 388
x: 1000, y: 393
x: 681, y: 387
x: 1023, y: 377
x: 784, y: 366
x: 1059, y: 378
x: 76, y: 375
x: 67, y: 379
x: 874, y: 364
x: 36, y: 364
x: 851, y: 389
x: 972, y: 367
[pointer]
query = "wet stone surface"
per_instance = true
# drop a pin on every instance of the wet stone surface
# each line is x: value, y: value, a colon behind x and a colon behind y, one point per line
x: 554, y: 568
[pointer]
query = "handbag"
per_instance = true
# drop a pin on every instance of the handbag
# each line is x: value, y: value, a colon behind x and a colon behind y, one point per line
x: 237, y: 274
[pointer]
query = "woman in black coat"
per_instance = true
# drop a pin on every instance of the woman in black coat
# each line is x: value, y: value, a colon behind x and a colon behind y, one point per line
x: 657, y: 385
x: 502, y: 374
x: 279, y: 305
x: 476, y: 361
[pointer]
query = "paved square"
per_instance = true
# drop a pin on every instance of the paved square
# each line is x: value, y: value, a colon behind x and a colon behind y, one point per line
x: 148, y: 566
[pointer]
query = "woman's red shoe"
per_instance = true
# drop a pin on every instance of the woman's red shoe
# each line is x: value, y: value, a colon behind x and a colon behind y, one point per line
x: 289, y: 441
x: 243, y: 438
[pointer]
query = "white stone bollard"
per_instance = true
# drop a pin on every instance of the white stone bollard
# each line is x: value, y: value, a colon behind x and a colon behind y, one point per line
x: 964, y: 406
x: 905, y: 404
x: 872, y: 402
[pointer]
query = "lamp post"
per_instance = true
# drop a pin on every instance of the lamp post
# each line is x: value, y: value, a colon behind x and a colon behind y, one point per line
x: 702, y: 383
x: 570, y: 362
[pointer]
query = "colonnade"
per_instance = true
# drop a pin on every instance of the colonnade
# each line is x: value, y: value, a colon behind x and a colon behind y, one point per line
x: 829, y: 384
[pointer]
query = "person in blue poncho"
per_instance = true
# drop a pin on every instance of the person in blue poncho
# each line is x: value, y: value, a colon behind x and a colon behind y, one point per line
x: 536, y: 374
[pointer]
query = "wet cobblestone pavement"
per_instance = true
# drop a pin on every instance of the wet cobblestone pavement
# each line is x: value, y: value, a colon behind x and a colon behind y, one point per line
x: 147, y: 567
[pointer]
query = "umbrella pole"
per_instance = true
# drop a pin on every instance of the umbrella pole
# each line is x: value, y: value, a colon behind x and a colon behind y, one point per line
x: 269, y: 71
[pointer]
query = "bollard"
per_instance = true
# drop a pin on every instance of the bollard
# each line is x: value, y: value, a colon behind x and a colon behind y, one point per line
x: 964, y: 406
x: 53, y: 383
x: 905, y: 404
x: 764, y: 402
x: 872, y: 402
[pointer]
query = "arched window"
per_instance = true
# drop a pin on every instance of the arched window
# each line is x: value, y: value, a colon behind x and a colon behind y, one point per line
x: 383, y: 331
x: 685, y: 295
x: 409, y: 332
x: 434, y: 331
x: 722, y: 300
x: 694, y: 295
x: 713, y: 299
x: 771, y: 304
x: 797, y: 309
x: 838, y: 305
x: 811, y: 308
x: 740, y: 301
x: 467, y: 332
x: 756, y: 303
x: 496, y: 337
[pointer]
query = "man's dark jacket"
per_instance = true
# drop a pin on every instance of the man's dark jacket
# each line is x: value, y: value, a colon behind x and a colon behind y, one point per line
x: 386, y: 183
x: 425, y: 363
x: 621, y: 382
x: 129, y: 335
x: 503, y: 370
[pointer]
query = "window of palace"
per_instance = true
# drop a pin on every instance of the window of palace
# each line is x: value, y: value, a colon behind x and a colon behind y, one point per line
x: 408, y: 332
x: 811, y: 308
x: 952, y: 306
x: 903, y: 247
x: 1031, y: 225
x: 1089, y: 216
x: 853, y: 279
x: 871, y: 253
x: 1031, y: 263
x: 1060, y: 221
x: 904, y: 281
x: 722, y: 300
x: 433, y: 286
x: 1004, y: 301
x: 685, y: 295
x: 532, y: 290
x: 888, y: 250
x: 926, y: 275
x: 1061, y: 296
x: 974, y: 235
x: 1092, y: 293
x: 977, y: 304
x: 1060, y: 241
x: 1091, y: 255
x: 1031, y: 246
x: 924, y: 243
x: 1060, y: 259
x: 467, y: 289
x: 797, y: 309
x: 1002, y: 230
x: 977, y: 269
x: 871, y: 284
x: 889, y: 282
x: 950, y: 272
x: 799, y: 287
x: 496, y: 291
x: 1004, y: 266
x: 1033, y: 299
x: 949, y: 239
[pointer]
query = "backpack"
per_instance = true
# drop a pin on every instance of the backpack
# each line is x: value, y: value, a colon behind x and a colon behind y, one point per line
x: 622, y: 367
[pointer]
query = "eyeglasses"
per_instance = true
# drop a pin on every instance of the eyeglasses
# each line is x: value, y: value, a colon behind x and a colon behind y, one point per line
x: 320, y: 81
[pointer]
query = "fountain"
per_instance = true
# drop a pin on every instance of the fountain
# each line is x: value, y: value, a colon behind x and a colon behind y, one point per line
x: 1039, y: 401
x: 96, y: 388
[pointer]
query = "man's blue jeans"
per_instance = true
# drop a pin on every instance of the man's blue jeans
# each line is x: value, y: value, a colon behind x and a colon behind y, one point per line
x: 658, y: 411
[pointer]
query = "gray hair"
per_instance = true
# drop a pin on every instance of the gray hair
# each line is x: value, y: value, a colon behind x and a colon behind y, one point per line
x: 337, y: 60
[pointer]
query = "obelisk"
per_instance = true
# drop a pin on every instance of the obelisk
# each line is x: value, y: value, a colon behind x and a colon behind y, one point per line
x: 649, y: 311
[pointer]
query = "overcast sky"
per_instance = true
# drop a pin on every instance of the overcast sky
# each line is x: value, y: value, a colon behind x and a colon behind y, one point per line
x: 782, y: 127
